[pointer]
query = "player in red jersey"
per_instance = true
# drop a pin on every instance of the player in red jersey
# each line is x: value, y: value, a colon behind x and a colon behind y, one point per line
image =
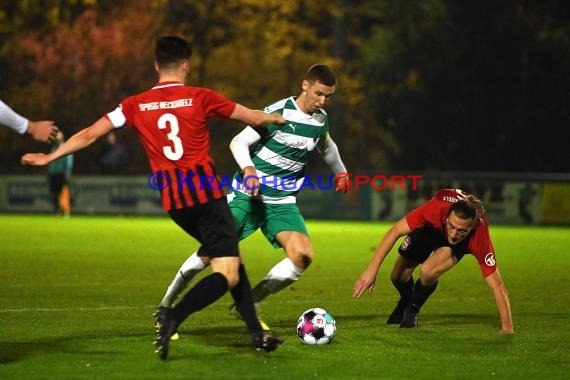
x: 170, y: 120
x: 439, y: 233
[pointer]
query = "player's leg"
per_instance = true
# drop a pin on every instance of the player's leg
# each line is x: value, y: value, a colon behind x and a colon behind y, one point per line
x: 240, y: 289
x: 402, y: 279
x: 415, y: 249
x: 438, y: 263
x: 211, y: 224
x: 205, y: 292
x: 261, y: 335
x: 299, y: 253
x: 65, y: 199
x: 224, y: 276
x: 189, y: 269
x: 55, y: 186
x: 240, y: 207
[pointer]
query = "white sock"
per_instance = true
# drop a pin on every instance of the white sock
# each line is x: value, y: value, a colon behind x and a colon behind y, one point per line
x: 191, y: 267
x: 279, y: 277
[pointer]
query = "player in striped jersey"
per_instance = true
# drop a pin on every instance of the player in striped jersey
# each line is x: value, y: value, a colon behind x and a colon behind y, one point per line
x: 273, y: 160
x: 171, y: 121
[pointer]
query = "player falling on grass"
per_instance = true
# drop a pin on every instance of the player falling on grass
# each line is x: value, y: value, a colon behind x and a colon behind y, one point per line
x: 439, y: 233
x: 42, y: 130
x: 273, y: 160
x: 170, y: 120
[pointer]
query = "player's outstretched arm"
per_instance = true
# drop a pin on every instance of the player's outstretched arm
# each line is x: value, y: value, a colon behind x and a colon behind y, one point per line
x: 78, y: 141
x: 367, y: 279
x: 255, y: 118
x: 501, y: 295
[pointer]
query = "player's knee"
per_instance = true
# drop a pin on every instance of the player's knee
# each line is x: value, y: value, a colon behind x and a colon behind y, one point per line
x: 232, y: 278
x: 398, y: 278
x: 304, y: 259
x: 429, y: 275
x: 307, y: 260
x: 230, y: 273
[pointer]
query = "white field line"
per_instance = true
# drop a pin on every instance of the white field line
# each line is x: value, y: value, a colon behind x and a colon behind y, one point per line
x: 99, y: 308
x: 60, y: 309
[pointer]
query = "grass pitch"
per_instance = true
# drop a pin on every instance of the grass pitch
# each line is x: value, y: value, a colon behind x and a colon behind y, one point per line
x: 77, y: 297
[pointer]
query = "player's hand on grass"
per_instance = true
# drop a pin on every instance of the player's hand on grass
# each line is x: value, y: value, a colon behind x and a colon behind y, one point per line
x: 35, y: 159
x: 366, y: 281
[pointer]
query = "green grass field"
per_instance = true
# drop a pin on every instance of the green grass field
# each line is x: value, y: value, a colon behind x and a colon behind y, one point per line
x: 77, y: 297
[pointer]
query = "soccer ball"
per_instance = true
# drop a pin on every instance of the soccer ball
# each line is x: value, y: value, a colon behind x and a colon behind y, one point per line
x: 316, y: 326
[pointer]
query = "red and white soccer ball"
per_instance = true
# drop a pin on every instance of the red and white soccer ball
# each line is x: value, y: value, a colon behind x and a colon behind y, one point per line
x: 316, y: 326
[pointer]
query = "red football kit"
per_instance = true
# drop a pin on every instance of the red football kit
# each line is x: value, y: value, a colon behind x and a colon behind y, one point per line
x: 434, y: 213
x: 171, y: 121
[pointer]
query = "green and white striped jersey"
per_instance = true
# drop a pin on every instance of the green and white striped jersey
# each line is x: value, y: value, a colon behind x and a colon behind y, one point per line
x: 281, y: 157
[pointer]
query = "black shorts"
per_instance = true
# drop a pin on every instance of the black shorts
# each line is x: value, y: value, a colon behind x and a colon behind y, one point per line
x: 212, y: 225
x: 420, y: 244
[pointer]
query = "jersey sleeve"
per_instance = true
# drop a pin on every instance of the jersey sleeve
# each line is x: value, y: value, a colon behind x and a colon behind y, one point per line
x: 481, y: 247
x: 117, y: 117
x: 216, y: 104
x: 425, y: 215
x: 11, y: 119
x: 326, y: 126
x: 121, y: 115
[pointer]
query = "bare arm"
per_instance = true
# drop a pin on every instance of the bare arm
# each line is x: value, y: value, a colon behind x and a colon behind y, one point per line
x: 78, y: 141
x: 501, y: 295
x: 255, y: 117
x: 367, y: 279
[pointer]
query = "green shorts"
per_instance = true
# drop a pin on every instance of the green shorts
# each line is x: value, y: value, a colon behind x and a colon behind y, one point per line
x: 250, y: 214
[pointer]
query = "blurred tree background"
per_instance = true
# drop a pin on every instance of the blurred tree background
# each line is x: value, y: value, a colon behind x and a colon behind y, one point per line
x: 423, y: 85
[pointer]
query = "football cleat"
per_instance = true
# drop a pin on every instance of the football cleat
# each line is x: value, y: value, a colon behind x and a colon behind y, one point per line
x: 234, y: 311
x: 410, y: 319
x: 174, y: 336
x: 167, y: 327
x: 264, y: 326
x: 398, y: 313
x: 265, y: 341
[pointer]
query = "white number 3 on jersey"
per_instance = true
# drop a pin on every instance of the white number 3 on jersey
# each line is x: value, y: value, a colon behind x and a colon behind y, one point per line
x: 175, y: 151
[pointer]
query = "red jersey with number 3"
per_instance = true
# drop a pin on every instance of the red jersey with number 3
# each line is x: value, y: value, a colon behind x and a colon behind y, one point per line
x: 171, y: 121
x: 434, y: 213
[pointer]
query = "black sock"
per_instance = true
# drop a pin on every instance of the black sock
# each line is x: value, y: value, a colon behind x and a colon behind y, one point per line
x: 205, y: 292
x: 406, y: 289
x: 421, y: 293
x: 243, y: 298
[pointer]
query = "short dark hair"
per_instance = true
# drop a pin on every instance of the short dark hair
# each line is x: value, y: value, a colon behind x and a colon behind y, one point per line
x: 171, y: 49
x: 469, y: 207
x: 321, y: 73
